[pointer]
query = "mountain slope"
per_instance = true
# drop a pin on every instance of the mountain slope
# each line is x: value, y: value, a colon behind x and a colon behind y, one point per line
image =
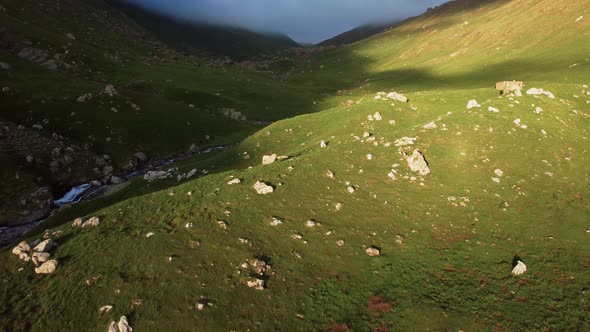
x: 356, y: 34
x: 202, y: 38
x: 504, y: 185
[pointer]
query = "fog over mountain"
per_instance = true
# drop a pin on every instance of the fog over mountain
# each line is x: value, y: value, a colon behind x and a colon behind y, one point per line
x: 306, y: 21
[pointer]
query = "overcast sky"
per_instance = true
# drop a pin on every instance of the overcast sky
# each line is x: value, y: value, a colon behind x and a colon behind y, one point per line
x: 307, y: 21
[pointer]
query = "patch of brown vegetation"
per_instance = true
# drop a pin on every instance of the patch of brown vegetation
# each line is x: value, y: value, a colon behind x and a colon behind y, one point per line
x: 378, y: 303
x: 338, y: 328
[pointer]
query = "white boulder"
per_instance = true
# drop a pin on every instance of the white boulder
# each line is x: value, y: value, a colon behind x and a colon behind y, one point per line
x: 418, y: 163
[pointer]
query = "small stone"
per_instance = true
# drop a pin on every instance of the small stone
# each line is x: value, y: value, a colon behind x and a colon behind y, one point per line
x: 275, y: 221
x: 497, y: 180
x: 150, y: 234
x: 499, y: 173
x: 339, y: 206
x: 493, y: 109
x: 323, y: 144
x: 418, y: 163
x: 92, y: 222
x: 256, y: 283
x: 377, y: 116
x: 472, y: 104
x: 311, y: 223
x: 267, y: 160
x: 45, y: 246
x: 105, y: 309
x: 262, y: 188
x: 330, y: 174
x: 123, y: 325
x: 373, y: 251
x: 369, y: 157
x: 48, y: 267
x: 519, y: 269
x: 351, y: 189
x: 234, y: 181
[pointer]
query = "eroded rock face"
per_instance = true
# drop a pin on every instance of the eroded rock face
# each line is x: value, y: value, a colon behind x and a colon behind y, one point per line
x: 418, y: 163
x: 48, y: 267
x: 262, y: 188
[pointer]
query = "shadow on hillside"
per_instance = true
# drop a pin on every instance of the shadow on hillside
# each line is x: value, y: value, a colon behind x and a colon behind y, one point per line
x: 352, y: 73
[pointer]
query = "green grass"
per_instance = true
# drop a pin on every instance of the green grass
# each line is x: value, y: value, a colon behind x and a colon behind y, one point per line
x: 443, y: 266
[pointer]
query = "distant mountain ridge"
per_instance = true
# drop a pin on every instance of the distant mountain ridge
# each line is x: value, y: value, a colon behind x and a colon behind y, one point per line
x: 204, y: 38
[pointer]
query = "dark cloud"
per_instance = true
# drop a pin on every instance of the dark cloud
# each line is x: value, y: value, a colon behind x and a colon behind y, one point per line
x: 302, y: 20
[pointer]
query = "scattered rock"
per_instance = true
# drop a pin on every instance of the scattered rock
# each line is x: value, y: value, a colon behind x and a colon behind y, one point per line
x: 340, y: 243
x: 323, y: 144
x: 311, y: 223
x: 39, y: 258
x: 499, y: 172
x: 377, y: 116
x: 275, y: 221
x: 123, y: 325
x: 111, y: 92
x: 404, y: 141
x: 116, y: 180
x: 45, y: 246
x: 373, y: 251
x: 519, y: 269
x: 538, y: 110
x: 397, y: 97
x: 71, y: 36
x: 21, y: 248
x: 339, y: 206
x: 509, y: 86
x: 48, y: 267
x: 267, y: 160
x: 351, y: 189
x: 262, y: 188
x: 493, y: 109
x: 497, y: 180
x: 256, y: 283
x: 418, y: 163
x: 105, y: 309
x: 536, y: 92
x: 77, y: 222
x: 431, y: 125
x: 473, y: 104
x: 369, y: 157
x: 579, y: 18
x: 5, y: 66
x: 92, y: 222
x: 234, y: 181
x: 330, y: 174
x: 141, y: 156
x: 150, y: 234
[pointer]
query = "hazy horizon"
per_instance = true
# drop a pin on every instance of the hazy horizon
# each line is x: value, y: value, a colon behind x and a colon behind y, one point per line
x: 305, y: 21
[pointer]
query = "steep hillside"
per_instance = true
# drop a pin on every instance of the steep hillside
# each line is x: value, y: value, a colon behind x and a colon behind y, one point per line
x: 356, y: 235
x: 202, y: 38
x: 62, y: 126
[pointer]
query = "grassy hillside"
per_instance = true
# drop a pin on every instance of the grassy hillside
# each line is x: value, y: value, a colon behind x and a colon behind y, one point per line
x: 202, y: 38
x: 498, y: 189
